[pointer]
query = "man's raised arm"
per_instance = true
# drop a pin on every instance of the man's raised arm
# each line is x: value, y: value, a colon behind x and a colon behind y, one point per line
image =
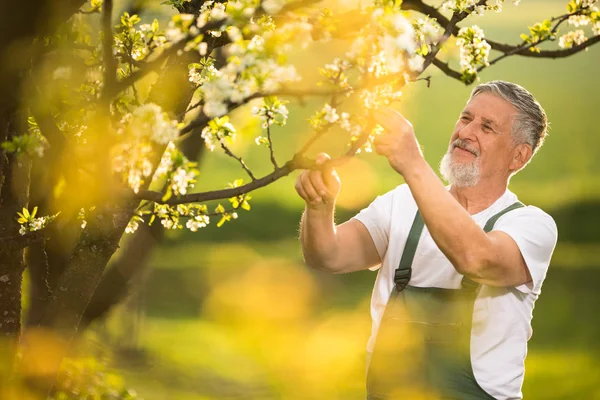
x: 327, y: 247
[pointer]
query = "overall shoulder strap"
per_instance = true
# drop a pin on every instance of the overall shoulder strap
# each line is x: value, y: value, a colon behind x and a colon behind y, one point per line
x: 489, y: 225
x: 404, y: 270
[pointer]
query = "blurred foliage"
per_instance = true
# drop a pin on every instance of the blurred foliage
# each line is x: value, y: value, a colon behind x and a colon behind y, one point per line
x: 89, y: 379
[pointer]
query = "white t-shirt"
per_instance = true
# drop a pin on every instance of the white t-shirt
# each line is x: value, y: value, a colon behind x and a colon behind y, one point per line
x: 502, y: 315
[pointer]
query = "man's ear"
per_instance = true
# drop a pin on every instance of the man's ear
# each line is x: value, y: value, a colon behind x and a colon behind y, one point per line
x: 521, y: 156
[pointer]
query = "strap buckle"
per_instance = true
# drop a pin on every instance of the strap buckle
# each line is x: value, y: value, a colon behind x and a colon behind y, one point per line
x: 402, y: 277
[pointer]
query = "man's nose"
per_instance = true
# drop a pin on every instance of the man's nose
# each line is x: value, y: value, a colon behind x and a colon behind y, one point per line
x: 467, y: 131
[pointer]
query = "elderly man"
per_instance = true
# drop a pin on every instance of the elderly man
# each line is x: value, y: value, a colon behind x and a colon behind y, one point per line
x: 461, y: 266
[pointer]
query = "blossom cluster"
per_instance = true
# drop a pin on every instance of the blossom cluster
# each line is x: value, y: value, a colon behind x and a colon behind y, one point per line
x: 474, y: 51
x: 335, y: 75
x: 427, y: 31
x: 272, y: 111
x: 383, y: 46
x: 473, y: 6
x: 380, y: 96
x: 255, y: 59
x: 136, y: 43
x: 325, y: 117
x: 170, y: 216
x: 217, y: 130
x: 386, y: 50
x: 29, y: 222
x: 179, y: 172
x: 133, y: 156
x: 571, y: 38
x: 589, y: 14
x: 31, y: 143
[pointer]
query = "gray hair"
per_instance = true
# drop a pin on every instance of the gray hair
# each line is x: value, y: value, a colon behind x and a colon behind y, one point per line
x: 531, y: 124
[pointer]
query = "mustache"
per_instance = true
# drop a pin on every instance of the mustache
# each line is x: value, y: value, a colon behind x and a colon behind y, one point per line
x: 464, y: 144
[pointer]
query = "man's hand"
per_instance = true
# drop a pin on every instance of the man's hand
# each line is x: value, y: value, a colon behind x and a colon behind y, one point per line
x: 319, y: 188
x: 398, y: 143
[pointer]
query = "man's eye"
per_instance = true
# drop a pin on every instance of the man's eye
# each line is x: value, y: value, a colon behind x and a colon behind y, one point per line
x: 463, y: 118
x: 487, y: 128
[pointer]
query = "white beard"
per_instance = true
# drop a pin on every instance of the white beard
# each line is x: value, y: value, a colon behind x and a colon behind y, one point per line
x: 459, y: 174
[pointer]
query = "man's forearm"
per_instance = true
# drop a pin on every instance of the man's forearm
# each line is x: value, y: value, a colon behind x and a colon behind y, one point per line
x: 451, y: 226
x: 318, y: 237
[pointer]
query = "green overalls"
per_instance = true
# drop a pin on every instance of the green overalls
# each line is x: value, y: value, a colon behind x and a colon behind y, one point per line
x: 423, y: 344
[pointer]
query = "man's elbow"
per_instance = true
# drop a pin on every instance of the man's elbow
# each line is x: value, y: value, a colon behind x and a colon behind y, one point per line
x: 326, y: 265
x: 475, y: 265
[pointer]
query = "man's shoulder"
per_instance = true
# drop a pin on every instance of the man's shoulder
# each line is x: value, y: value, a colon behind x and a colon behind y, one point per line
x: 399, y: 193
x: 531, y: 216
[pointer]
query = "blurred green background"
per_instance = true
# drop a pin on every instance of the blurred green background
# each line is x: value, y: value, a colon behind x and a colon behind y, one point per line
x: 232, y: 312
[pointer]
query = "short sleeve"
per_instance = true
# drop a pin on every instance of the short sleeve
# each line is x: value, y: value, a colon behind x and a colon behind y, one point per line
x: 377, y: 219
x: 536, y: 234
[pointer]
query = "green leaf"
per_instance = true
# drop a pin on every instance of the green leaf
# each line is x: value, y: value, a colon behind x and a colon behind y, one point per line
x: 34, y: 212
x: 168, y: 195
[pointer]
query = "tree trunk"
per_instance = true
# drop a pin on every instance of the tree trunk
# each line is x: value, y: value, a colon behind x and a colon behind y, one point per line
x: 13, y: 198
x: 123, y: 274
x: 133, y: 261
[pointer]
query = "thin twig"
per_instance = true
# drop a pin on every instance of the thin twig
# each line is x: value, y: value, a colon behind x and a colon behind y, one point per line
x: 239, y: 159
x: 273, y: 161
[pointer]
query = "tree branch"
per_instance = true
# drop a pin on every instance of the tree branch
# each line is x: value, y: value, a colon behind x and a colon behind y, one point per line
x: 22, y: 241
x: 110, y: 64
x: 445, y: 68
x: 202, y: 119
x: 294, y: 164
x: 506, y: 48
x: 297, y: 162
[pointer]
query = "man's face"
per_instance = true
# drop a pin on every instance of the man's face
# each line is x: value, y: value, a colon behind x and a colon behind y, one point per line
x: 481, y: 146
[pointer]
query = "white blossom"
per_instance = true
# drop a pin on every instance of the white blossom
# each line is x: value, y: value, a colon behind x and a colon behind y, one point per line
x: 168, y: 223
x: 271, y: 113
x: 330, y: 114
x: 569, y: 39
x: 181, y: 180
x: 149, y: 120
x: 272, y: 6
x: 415, y: 63
x: 217, y: 130
x: 474, y: 50
x: 218, y: 12
x: 579, y: 20
x: 166, y: 161
x: 132, y: 226
x: 198, y: 221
